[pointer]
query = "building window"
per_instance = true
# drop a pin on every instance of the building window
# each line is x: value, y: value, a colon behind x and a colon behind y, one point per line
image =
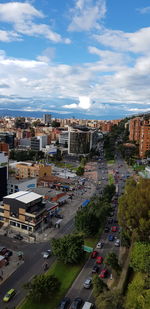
x: 1, y: 218
x: 1, y: 209
x: 12, y: 223
x: 24, y: 227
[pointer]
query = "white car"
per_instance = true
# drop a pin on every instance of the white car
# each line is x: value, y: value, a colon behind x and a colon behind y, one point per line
x: 46, y: 254
x: 87, y: 284
x: 117, y: 243
x: 99, y: 245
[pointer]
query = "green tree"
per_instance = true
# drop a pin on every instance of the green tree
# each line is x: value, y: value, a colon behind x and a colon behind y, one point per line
x: 98, y: 286
x: 140, y: 257
x: 112, y: 260
x: 80, y: 171
x: 86, y: 222
x: 42, y: 288
x: 68, y: 249
x: 55, y: 124
x: 109, y: 192
x: 133, y: 211
x: 138, y: 296
x: 109, y: 300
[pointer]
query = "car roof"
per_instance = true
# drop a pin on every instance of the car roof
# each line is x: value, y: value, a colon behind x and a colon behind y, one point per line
x: 10, y: 291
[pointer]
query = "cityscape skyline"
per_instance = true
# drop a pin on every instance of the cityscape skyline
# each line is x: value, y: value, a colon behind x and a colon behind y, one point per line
x: 77, y: 58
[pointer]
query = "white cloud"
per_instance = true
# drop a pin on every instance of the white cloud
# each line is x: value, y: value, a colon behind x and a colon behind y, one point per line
x: 144, y: 10
x: 137, y: 42
x: 9, y: 36
x: 87, y: 14
x: 21, y: 16
x: 84, y: 103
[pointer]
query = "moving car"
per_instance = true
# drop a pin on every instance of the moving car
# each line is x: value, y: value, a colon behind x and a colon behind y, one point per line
x: 9, y: 295
x: 103, y: 273
x: 76, y: 303
x: 46, y: 254
x: 3, y: 251
x: 99, y: 260
x: 94, y: 254
x: 99, y: 245
x: 64, y: 303
x: 87, y: 284
x: 110, y: 237
x: 117, y: 243
x: 114, y: 228
x: 95, y: 269
x: 107, y: 229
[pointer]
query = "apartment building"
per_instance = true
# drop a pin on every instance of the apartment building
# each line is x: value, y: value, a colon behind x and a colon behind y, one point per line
x: 23, y: 211
x: 144, y: 144
x: 26, y: 170
x: 135, y: 129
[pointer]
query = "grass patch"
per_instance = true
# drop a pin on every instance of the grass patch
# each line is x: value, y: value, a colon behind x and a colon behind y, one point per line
x: 111, y: 180
x: 91, y: 242
x: 138, y: 168
x: 110, y: 161
x: 66, y: 274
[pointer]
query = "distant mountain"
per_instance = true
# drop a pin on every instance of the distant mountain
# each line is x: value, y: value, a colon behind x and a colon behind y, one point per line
x: 39, y: 114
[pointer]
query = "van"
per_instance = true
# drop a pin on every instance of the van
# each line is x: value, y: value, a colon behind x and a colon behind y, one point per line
x: 88, y: 305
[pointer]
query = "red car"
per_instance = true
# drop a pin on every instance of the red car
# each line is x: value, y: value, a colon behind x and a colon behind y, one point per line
x: 114, y: 229
x: 103, y: 273
x: 99, y: 260
x: 94, y: 254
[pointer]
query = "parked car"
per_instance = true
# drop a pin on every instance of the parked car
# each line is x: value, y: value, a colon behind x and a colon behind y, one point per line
x: 110, y: 237
x: 95, y: 269
x: 99, y: 260
x: 8, y: 253
x: 94, y: 254
x: 58, y: 216
x: 18, y: 236
x: 77, y: 302
x: 103, y: 273
x: 114, y: 228
x: 117, y: 243
x: 64, y: 303
x: 99, y: 245
x: 9, y: 295
x: 88, y: 283
x: 46, y: 254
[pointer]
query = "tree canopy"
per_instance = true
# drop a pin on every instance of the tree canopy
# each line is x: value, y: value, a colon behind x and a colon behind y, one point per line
x: 112, y: 260
x: 69, y: 249
x: 140, y: 257
x: 109, y: 300
x: 42, y: 287
x: 138, y: 295
x: 98, y: 286
x: 133, y: 211
x: 86, y: 222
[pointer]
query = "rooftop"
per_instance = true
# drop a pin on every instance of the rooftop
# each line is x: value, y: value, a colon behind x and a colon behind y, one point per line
x: 24, y: 196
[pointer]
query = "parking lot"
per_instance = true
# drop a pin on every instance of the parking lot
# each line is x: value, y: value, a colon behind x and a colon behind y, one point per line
x: 11, y: 263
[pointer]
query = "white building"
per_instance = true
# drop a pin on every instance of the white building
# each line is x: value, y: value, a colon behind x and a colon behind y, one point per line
x: 15, y: 185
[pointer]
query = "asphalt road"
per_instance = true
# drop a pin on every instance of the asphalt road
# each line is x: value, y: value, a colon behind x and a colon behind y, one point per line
x: 77, y: 288
x: 34, y: 260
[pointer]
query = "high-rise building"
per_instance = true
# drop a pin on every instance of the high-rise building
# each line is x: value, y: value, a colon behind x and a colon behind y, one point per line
x: 80, y: 140
x: 7, y: 138
x: 135, y: 129
x: 144, y: 138
x: 3, y: 174
x: 38, y: 142
x: 47, y: 118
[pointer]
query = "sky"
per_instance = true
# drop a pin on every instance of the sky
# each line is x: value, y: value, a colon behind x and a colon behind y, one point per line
x: 89, y: 58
